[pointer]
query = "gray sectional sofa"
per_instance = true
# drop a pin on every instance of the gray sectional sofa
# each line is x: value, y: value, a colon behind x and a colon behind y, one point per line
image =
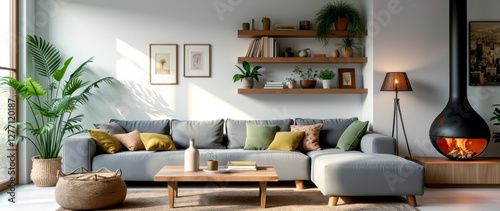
x: 372, y: 169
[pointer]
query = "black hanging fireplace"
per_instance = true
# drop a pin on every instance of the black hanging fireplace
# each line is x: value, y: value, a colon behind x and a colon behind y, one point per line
x: 458, y: 132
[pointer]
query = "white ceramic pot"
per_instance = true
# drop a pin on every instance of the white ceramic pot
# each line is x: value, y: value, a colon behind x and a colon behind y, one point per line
x: 326, y: 84
x: 191, y: 157
x: 247, y: 83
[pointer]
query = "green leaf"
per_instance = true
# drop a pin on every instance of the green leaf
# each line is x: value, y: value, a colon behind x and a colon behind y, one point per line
x: 33, y: 88
x: 246, y: 66
x: 45, y: 55
x: 58, y: 75
x: 238, y: 77
x: 15, y: 84
x: 241, y: 70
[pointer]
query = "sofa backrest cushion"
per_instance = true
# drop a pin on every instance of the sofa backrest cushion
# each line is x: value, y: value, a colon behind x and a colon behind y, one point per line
x: 145, y: 126
x: 207, y: 134
x: 236, y: 130
x: 331, y: 131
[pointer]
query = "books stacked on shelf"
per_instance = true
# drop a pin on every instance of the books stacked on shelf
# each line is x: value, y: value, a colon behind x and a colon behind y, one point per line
x: 242, y: 165
x: 273, y: 85
x: 263, y: 47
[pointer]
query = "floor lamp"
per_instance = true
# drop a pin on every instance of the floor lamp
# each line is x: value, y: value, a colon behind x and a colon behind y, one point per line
x: 397, y: 81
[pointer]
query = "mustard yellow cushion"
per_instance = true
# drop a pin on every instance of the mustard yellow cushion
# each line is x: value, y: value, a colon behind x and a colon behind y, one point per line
x: 105, y: 141
x: 288, y: 141
x: 155, y: 141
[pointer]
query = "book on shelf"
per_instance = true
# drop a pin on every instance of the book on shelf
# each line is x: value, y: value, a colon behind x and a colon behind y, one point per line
x: 273, y: 85
x: 242, y: 165
x: 285, y: 27
x: 263, y: 47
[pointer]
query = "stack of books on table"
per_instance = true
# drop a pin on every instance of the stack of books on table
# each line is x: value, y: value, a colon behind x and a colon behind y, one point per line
x: 242, y: 165
x: 273, y: 85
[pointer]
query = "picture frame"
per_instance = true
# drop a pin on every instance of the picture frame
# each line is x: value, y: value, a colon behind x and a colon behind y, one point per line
x: 483, y: 64
x: 197, y: 60
x: 347, y: 78
x: 163, y: 64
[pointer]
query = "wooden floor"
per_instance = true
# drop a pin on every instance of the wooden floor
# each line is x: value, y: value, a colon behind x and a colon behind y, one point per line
x: 29, y: 197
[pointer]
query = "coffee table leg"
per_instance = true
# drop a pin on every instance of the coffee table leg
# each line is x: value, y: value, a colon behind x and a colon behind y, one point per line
x: 262, y: 191
x: 171, y: 193
x: 176, y: 190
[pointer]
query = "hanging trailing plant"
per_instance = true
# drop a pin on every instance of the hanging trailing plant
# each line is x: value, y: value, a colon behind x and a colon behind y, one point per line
x: 330, y: 13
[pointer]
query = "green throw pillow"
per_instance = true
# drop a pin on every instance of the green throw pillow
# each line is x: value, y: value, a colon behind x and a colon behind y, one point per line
x: 259, y: 137
x: 105, y: 141
x: 352, y: 136
x: 155, y: 141
x: 286, y: 141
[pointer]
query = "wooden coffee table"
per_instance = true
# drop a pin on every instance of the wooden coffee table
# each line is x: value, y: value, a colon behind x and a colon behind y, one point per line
x: 175, y: 174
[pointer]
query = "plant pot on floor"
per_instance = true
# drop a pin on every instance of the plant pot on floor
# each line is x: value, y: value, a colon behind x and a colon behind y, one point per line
x: 44, y: 171
x: 308, y: 84
x: 247, y: 83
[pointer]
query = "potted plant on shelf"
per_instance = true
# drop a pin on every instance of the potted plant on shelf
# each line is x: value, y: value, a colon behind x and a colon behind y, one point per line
x: 327, y: 76
x: 247, y: 75
x: 291, y: 82
x: 53, y: 106
x: 348, y: 45
x: 341, y: 14
x: 308, y: 77
x: 288, y: 52
x: 266, y: 23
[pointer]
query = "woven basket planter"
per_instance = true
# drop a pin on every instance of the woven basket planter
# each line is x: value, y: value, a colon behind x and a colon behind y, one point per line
x: 90, y: 190
x: 44, y: 171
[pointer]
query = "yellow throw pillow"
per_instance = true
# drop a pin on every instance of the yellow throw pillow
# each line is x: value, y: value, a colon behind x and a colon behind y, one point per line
x: 288, y: 141
x: 155, y: 141
x: 105, y: 141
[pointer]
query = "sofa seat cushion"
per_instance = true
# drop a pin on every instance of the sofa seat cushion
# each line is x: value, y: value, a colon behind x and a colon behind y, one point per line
x: 207, y: 134
x: 360, y: 174
x: 331, y: 131
x: 143, y: 165
x: 145, y: 126
x: 236, y: 130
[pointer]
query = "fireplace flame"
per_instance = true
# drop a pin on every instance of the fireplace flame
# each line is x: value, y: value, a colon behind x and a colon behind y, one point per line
x: 462, y: 148
x: 458, y: 148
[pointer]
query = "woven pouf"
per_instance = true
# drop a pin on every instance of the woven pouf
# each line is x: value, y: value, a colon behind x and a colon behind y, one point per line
x: 90, y: 190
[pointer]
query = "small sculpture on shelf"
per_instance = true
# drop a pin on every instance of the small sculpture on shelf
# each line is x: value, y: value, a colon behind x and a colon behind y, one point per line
x: 303, y: 52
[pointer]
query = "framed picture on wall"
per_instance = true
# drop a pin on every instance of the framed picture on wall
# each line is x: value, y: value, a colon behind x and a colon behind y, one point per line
x: 197, y: 60
x: 484, y: 64
x: 163, y: 64
x: 347, y: 78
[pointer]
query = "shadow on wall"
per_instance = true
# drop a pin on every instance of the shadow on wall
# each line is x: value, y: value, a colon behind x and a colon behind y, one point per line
x: 130, y: 101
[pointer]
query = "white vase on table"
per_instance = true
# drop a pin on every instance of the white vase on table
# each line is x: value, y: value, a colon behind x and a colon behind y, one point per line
x: 191, y: 157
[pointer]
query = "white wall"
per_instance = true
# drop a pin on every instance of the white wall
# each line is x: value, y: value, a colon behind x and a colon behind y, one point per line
x: 118, y: 34
x: 415, y: 39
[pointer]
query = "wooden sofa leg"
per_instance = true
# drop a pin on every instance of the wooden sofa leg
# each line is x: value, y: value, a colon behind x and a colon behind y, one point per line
x: 412, y: 201
x: 299, y: 184
x: 332, y: 201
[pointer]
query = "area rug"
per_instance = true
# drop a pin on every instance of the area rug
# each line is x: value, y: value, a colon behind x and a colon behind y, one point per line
x: 234, y: 199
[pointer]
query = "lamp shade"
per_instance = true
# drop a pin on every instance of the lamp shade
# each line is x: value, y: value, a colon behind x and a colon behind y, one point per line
x: 396, y: 81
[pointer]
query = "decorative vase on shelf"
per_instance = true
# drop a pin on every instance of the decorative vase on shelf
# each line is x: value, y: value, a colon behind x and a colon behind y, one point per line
x: 191, y: 157
x: 335, y: 53
x: 291, y: 86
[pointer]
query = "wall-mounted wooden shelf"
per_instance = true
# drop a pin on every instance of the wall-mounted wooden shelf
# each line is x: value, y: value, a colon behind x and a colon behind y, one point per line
x: 359, y: 60
x: 287, y: 33
x: 302, y: 91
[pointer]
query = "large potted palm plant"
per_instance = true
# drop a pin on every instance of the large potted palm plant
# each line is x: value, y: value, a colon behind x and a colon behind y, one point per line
x: 52, y: 106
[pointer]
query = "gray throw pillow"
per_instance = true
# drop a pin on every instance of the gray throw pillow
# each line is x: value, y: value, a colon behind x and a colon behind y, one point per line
x: 236, y: 130
x: 207, y: 134
x: 331, y: 131
x: 145, y: 126
x: 111, y: 128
